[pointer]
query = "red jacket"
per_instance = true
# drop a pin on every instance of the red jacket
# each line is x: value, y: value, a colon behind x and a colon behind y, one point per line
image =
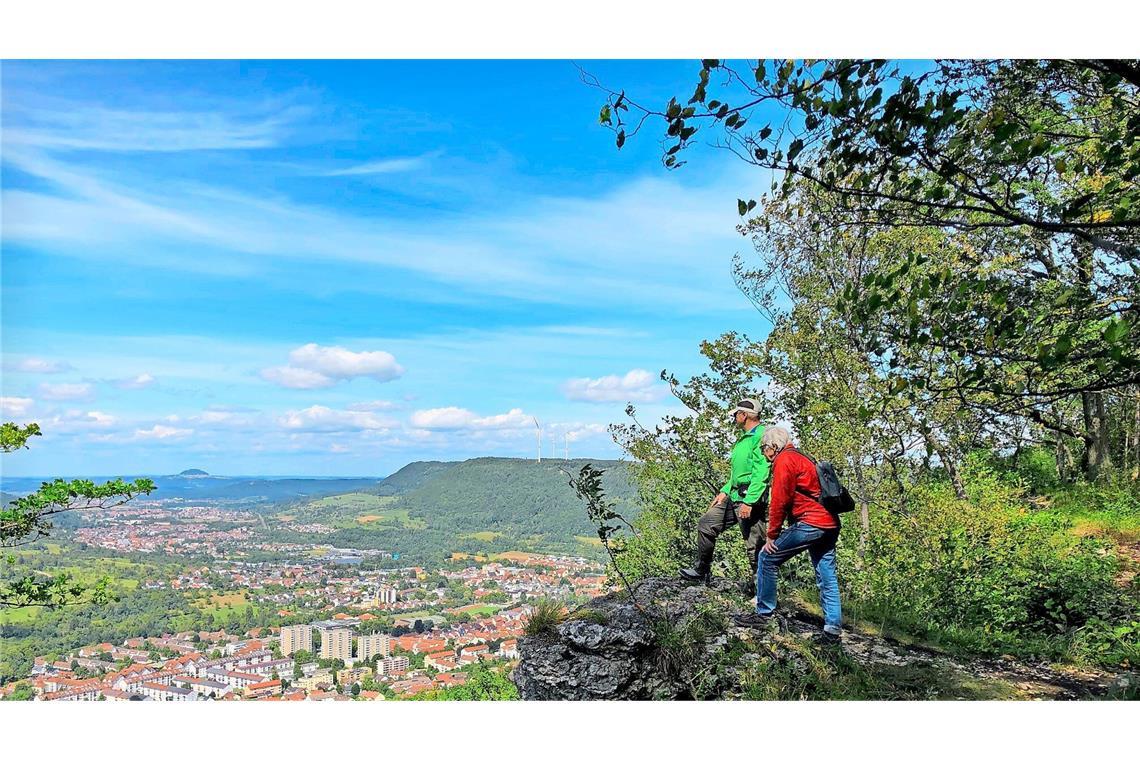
x: 795, y: 493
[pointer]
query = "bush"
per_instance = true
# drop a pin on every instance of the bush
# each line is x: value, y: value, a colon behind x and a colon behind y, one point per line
x: 1037, y: 468
x: 986, y: 563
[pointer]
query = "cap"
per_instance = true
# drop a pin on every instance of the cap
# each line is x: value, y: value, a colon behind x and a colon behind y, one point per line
x: 747, y: 405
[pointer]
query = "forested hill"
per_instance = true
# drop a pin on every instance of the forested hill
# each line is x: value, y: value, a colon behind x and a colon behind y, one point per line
x: 427, y: 510
x: 514, y: 494
x: 412, y: 476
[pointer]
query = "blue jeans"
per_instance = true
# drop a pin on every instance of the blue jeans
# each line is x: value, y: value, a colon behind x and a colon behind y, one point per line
x: 820, y: 546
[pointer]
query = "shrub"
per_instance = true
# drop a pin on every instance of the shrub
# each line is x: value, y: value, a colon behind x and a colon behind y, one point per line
x: 986, y: 562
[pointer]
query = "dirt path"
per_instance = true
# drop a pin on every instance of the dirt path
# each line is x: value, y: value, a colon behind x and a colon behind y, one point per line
x: 995, y: 678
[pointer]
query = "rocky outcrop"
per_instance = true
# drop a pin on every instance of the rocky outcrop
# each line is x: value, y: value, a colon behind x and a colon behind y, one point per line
x: 606, y: 650
x: 678, y: 642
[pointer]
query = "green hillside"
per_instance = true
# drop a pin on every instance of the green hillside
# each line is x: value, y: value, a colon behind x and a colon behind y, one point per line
x: 411, y: 476
x: 429, y: 509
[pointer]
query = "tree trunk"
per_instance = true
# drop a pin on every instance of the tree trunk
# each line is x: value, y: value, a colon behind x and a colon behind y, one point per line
x: 947, y: 462
x: 1097, y: 459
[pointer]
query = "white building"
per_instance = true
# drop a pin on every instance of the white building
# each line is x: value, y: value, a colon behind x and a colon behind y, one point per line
x: 391, y: 666
x: 296, y: 638
x: 373, y: 644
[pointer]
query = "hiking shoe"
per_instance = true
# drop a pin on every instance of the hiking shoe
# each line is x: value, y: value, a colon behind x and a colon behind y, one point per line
x: 830, y: 636
x: 755, y: 620
x: 694, y: 575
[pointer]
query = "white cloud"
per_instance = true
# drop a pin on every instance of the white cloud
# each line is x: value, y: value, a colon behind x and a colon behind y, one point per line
x: 382, y: 166
x: 456, y: 418
x: 75, y: 420
x: 15, y: 406
x: 296, y: 377
x: 65, y: 391
x: 544, y: 248
x: 62, y: 126
x: 635, y: 385
x: 372, y: 406
x: 314, y: 366
x: 323, y: 419
x: 38, y: 365
x: 162, y: 433
x: 135, y: 383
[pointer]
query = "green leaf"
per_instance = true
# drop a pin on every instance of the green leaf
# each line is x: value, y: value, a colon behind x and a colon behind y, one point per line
x: 604, y: 116
x: 1115, y: 331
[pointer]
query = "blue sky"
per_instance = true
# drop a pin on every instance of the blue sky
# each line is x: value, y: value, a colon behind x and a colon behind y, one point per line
x: 321, y: 268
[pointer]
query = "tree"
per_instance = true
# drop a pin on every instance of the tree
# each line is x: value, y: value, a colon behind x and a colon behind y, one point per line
x: 1027, y: 170
x: 356, y: 690
x: 25, y: 520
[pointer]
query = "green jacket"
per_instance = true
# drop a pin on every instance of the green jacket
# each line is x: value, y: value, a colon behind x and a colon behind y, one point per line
x: 749, y: 468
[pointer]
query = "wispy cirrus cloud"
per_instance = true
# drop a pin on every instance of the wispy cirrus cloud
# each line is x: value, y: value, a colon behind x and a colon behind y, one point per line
x: 57, y: 125
x: 534, y: 248
x: 37, y: 365
x: 396, y: 165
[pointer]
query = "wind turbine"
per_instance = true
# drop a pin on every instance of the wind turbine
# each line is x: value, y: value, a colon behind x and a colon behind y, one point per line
x: 538, y: 433
x: 566, y: 441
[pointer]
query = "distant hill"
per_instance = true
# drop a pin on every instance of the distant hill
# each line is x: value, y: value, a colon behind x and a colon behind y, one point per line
x: 429, y: 509
x: 193, y: 473
x: 412, y: 476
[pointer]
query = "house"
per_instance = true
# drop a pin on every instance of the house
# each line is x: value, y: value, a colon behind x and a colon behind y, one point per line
x: 162, y: 692
x: 509, y: 649
x: 115, y: 695
x: 447, y: 680
x: 412, y: 686
x: 263, y: 688
x: 474, y: 653
x: 442, y: 661
x: 203, y: 687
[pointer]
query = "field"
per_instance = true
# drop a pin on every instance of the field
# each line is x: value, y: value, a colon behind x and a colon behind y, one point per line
x: 225, y: 605
x: 483, y: 535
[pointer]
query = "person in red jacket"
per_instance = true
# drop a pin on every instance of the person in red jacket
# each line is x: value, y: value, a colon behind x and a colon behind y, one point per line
x: 794, y: 494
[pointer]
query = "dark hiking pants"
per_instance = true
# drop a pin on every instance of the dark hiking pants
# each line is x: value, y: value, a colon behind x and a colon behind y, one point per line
x: 724, y: 516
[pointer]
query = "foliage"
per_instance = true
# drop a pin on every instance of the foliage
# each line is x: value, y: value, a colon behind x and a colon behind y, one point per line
x: 983, y: 563
x: 13, y: 436
x: 1022, y: 178
x: 485, y: 682
x: 25, y: 520
x: 22, y: 693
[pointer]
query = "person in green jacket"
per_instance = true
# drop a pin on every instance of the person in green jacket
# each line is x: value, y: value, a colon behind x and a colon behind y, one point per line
x: 741, y: 501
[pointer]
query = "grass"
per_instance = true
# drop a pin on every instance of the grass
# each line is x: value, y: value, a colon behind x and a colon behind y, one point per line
x: 225, y: 605
x: 588, y: 540
x: 545, y: 618
x: 483, y: 535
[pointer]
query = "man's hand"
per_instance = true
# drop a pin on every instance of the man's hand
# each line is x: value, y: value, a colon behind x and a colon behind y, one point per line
x: 769, y: 546
x: 720, y: 498
x: 745, y: 511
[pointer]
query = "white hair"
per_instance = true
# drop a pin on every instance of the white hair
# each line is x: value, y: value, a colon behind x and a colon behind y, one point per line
x: 776, y: 437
